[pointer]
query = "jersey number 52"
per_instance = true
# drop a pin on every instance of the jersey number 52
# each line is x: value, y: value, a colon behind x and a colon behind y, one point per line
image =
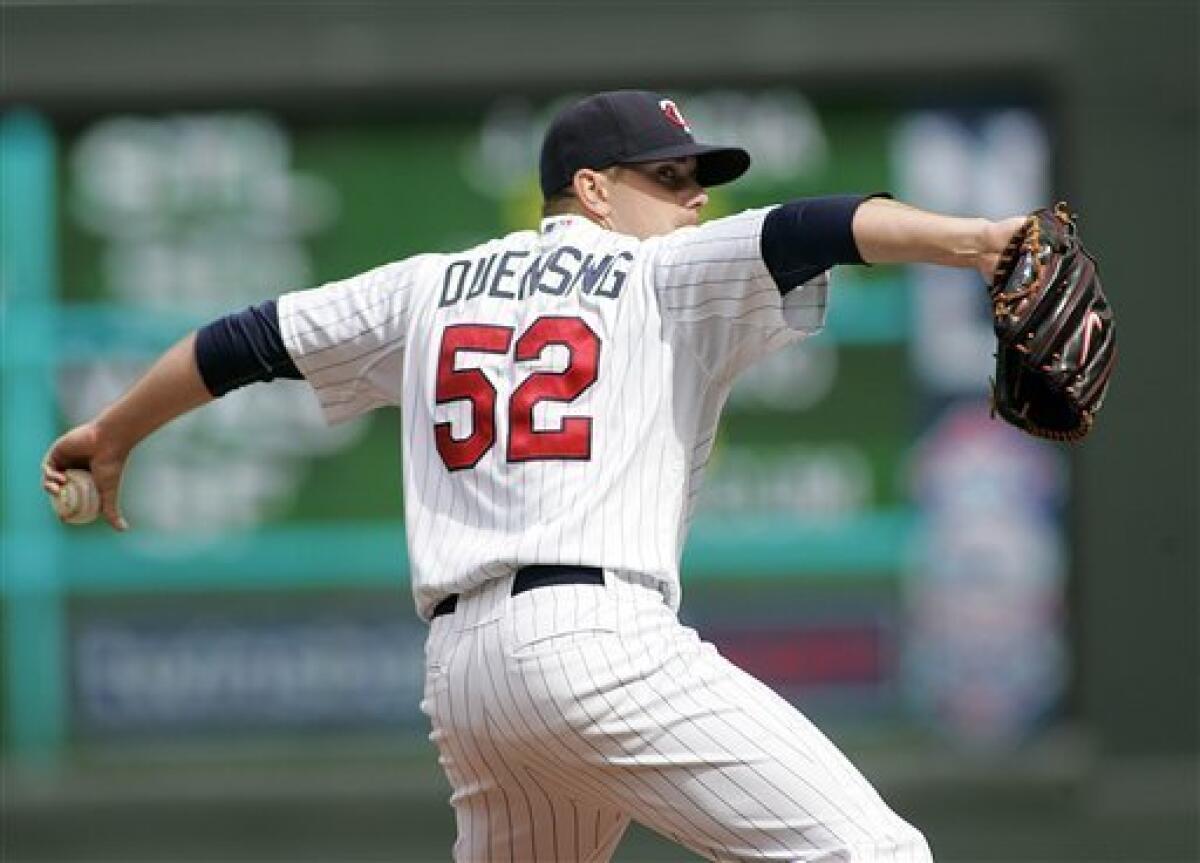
x: 571, y: 440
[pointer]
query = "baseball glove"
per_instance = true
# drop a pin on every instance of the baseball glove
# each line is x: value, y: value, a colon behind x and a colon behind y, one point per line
x: 1057, y: 338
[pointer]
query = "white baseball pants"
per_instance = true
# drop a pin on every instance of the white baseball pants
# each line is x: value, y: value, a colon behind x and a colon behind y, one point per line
x: 563, y: 712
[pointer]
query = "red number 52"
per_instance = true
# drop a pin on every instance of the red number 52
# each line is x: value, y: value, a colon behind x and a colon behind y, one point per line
x: 571, y: 440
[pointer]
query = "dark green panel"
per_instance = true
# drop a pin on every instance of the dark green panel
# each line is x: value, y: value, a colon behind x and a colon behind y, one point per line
x: 1139, y: 571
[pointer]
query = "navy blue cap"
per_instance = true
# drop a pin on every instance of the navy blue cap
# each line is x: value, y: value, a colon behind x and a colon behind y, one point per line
x: 629, y: 126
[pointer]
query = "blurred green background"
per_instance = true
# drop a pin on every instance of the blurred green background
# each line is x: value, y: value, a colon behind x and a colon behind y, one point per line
x: 237, y: 679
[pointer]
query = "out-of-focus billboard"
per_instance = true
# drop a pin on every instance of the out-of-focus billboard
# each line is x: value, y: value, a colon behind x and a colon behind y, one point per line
x: 837, y: 548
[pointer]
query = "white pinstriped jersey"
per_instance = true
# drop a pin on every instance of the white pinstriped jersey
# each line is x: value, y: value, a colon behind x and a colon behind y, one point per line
x: 560, y: 389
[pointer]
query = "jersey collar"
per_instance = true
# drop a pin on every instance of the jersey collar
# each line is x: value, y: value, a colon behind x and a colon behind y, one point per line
x: 555, y: 228
x: 552, y: 225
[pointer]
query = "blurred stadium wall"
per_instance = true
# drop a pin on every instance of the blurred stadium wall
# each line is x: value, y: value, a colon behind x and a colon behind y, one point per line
x: 1115, y: 85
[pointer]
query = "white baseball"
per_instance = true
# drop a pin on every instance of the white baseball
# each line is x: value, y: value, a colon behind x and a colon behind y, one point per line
x: 79, y: 500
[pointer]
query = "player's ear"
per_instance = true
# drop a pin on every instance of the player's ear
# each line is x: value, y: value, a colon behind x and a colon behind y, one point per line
x: 592, y: 191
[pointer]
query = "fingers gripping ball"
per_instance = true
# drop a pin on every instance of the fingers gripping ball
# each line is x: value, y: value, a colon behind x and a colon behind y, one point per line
x: 79, y: 500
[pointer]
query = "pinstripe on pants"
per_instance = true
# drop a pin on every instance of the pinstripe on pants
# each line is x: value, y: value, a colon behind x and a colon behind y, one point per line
x: 562, y: 712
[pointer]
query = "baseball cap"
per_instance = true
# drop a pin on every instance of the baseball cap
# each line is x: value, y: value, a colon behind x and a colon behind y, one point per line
x: 629, y: 126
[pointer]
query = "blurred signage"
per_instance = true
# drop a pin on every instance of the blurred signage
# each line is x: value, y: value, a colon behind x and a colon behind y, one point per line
x: 169, y: 219
x: 223, y: 672
x: 188, y: 217
x: 986, y: 652
x: 985, y: 649
x: 811, y: 655
x: 833, y: 655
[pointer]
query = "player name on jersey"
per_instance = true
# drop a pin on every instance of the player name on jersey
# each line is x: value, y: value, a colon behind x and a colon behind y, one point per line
x: 514, y: 275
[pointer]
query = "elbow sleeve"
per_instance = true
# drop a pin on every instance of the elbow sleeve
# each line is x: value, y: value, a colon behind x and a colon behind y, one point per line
x: 243, y: 348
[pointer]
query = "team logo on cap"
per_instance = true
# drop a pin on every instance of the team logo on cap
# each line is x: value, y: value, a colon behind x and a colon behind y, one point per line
x: 671, y: 112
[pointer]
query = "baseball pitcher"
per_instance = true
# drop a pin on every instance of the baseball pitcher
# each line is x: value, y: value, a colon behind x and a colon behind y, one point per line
x: 560, y: 391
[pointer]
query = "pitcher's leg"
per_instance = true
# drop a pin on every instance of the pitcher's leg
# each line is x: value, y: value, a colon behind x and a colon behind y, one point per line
x: 511, y: 813
x: 695, y: 748
x: 504, y: 809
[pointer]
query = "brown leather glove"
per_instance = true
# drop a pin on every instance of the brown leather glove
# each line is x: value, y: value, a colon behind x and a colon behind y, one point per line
x: 1057, y: 337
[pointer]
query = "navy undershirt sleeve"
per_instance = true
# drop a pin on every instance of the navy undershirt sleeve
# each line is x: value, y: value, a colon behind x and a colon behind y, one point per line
x: 243, y: 348
x: 807, y: 236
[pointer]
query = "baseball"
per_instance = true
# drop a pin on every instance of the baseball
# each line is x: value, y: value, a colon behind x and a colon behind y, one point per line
x: 79, y: 500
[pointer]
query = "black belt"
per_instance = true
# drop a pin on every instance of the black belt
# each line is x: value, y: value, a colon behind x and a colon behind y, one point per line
x: 530, y: 577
